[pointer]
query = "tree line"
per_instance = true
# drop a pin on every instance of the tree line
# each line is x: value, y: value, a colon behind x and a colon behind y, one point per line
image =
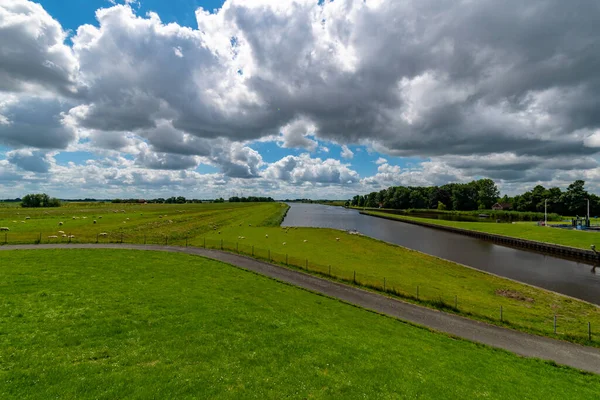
x: 39, y: 200
x: 482, y: 195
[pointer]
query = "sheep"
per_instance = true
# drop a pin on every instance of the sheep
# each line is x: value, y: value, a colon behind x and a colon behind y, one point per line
x: 249, y: 224
x: 53, y: 237
x: 267, y: 236
x: 4, y: 229
x: 60, y: 224
x: 84, y: 217
x: 305, y: 240
x: 22, y: 222
x: 61, y: 232
x: 99, y: 216
x: 64, y: 235
x: 284, y: 243
x: 14, y: 222
x: 95, y: 221
x: 219, y: 232
x: 71, y: 236
x: 126, y: 219
x: 338, y: 239
x: 103, y: 234
x: 27, y: 217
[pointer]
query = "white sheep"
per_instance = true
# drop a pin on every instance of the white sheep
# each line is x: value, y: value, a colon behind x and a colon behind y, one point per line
x: 84, y: 217
x: 4, y: 229
x: 64, y: 235
x: 338, y: 239
x: 71, y: 236
x: 14, y: 222
x: 284, y: 243
x: 22, y: 222
x: 126, y: 219
x: 95, y: 221
x: 60, y: 224
x: 103, y: 234
x: 53, y: 237
x: 267, y: 236
x: 305, y: 240
x: 99, y: 216
x: 61, y: 232
x: 27, y: 217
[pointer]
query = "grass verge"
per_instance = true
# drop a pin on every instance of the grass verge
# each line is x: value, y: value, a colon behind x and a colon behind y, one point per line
x: 129, y: 324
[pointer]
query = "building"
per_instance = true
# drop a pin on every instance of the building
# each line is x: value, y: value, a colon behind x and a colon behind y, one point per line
x: 502, y: 206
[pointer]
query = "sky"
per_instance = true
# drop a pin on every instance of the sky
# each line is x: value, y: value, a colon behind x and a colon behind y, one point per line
x: 295, y: 98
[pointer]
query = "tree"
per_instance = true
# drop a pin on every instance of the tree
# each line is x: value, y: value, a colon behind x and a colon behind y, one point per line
x: 575, y: 197
x: 39, y: 200
x: 441, y: 206
x: 487, y: 193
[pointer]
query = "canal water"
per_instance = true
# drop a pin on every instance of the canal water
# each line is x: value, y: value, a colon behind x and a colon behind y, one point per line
x: 563, y: 276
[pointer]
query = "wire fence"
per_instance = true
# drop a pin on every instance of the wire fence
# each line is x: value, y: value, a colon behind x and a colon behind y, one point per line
x: 426, y: 293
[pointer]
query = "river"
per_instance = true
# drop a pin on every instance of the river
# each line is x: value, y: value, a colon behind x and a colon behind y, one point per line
x: 556, y: 274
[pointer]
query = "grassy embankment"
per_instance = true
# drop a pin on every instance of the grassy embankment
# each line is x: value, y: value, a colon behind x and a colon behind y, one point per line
x: 251, y: 229
x: 128, y: 324
x: 521, y: 230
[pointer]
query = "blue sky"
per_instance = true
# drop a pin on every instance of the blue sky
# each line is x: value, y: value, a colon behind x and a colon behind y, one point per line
x: 134, y: 106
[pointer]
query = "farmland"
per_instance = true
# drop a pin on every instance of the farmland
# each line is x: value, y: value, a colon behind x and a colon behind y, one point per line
x: 127, y: 324
x: 253, y: 229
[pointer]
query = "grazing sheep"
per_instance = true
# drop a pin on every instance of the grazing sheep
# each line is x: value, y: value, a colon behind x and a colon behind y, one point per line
x: 22, y: 222
x: 284, y: 243
x: 53, y: 237
x: 267, y: 236
x: 103, y: 234
x: 126, y: 219
x: 99, y: 216
x: 61, y: 232
x: 95, y: 221
x: 60, y: 224
x: 14, y: 222
x: 27, y: 217
x: 4, y: 229
x: 71, y: 236
x: 219, y: 232
x: 305, y: 240
x: 84, y: 217
x: 64, y: 235
x: 338, y: 239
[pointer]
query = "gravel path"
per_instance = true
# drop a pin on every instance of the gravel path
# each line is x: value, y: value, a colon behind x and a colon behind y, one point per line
x: 581, y: 357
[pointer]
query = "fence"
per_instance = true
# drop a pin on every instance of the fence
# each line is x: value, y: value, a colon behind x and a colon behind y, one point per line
x: 424, y: 292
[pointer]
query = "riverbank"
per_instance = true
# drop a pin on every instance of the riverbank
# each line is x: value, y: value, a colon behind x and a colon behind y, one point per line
x: 569, y: 243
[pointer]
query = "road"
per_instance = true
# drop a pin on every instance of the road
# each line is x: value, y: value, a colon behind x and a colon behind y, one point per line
x: 565, y: 353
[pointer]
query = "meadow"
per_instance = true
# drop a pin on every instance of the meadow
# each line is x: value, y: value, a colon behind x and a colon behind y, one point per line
x: 520, y: 230
x: 106, y: 324
x: 253, y: 229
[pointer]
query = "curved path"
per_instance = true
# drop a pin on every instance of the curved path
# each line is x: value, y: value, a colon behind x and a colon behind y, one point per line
x: 573, y: 355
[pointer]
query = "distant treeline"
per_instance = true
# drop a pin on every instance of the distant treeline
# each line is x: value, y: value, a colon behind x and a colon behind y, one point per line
x: 482, y: 195
x: 39, y: 200
x: 251, y: 199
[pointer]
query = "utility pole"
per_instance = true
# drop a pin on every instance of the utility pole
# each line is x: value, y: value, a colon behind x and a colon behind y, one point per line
x: 546, y: 213
x: 588, y: 209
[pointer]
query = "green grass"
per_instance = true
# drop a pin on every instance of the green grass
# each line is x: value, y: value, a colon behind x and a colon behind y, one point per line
x: 479, y: 295
x: 521, y: 230
x: 106, y: 324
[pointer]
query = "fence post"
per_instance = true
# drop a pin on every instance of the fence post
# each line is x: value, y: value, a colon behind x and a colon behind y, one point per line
x: 554, y: 323
x: 501, y: 314
x: 121, y: 238
x: 252, y: 250
x: 589, y: 331
x: 221, y: 244
x: 166, y: 240
x: 5, y: 238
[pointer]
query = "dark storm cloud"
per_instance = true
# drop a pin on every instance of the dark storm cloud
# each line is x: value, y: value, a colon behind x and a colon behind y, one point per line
x: 29, y: 161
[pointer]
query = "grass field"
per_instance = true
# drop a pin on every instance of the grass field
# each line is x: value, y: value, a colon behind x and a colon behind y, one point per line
x: 521, y: 230
x: 108, y: 324
x: 253, y: 229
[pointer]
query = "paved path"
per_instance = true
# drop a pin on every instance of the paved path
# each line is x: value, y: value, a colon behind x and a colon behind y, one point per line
x: 581, y: 357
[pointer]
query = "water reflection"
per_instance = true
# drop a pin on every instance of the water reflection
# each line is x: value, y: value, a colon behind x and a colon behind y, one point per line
x: 568, y: 277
